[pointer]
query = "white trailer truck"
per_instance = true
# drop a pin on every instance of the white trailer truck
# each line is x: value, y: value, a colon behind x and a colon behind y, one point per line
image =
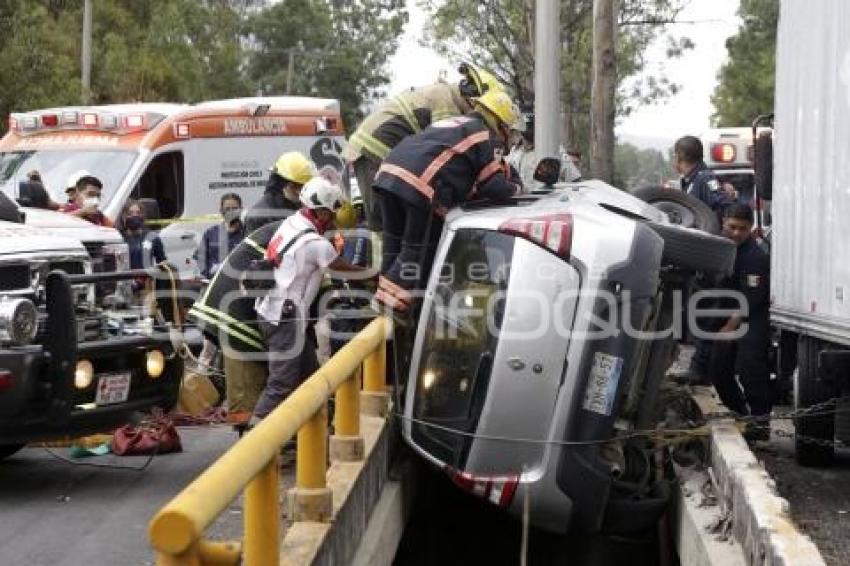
x: 810, y: 278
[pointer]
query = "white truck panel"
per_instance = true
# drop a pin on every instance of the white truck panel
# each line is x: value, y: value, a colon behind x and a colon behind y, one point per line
x: 811, y: 200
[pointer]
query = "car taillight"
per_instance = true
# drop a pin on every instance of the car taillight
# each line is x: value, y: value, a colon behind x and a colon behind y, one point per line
x: 723, y: 152
x: 50, y: 120
x: 552, y: 231
x: 7, y: 379
x: 498, y: 490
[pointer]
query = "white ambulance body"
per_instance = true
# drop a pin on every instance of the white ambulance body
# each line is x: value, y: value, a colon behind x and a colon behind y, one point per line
x: 180, y: 158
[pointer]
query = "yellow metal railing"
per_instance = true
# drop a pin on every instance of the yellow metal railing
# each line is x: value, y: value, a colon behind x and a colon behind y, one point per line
x: 176, y: 531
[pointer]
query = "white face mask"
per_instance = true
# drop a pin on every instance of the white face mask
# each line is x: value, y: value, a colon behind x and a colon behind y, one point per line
x: 89, y: 202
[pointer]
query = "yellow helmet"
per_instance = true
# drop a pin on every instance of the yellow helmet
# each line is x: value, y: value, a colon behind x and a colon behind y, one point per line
x: 499, y: 104
x: 294, y: 166
x: 477, y: 81
x: 346, y: 217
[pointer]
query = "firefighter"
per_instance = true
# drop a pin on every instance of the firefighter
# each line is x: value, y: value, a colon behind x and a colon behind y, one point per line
x: 227, y: 317
x: 300, y: 254
x: 430, y: 172
x: 746, y: 356
x: 290, y: 172
x: 406, y: 114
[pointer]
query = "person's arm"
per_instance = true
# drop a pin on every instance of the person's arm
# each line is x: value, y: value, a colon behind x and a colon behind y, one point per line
x: 158, y: 250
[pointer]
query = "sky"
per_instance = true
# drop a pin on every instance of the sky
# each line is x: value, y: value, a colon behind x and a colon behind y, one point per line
x: 654, y: 126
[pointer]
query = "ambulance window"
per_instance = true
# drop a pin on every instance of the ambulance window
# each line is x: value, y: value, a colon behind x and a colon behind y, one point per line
x: 163, y: 182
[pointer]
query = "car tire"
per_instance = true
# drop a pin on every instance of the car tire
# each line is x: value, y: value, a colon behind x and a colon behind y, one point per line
x: 681, y: 208
x: 695, y: 250
x: 7, y: 450
x: 814, y: 435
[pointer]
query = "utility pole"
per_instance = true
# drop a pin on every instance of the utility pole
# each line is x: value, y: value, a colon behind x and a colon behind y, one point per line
x: 547, y: 79
x: 602, y: 96
x: 86, y: 56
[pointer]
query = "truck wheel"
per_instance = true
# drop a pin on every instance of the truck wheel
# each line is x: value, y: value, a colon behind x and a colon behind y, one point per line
x: 695, y: 250
x: 810, y: 390
x: 681, y: 208
x: 7, y: 450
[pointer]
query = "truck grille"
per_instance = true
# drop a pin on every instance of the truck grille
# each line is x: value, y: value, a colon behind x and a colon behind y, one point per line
x: 14, y: 277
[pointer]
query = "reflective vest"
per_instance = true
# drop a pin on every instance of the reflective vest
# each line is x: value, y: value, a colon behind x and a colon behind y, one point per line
x: 403, y: 115
x: 445, y: 165
x: 223, y: 313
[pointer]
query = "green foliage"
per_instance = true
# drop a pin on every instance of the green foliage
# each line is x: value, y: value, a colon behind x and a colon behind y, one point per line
x: 635, y: 167
x: 746, y: 81
x: 192, y: 50
x: 498, y: 34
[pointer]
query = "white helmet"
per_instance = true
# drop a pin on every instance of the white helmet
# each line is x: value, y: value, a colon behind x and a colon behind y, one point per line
x: 318, y: 192
x: 74, y: 177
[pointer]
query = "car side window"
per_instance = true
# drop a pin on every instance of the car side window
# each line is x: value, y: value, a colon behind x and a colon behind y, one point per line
x: 163, y: 181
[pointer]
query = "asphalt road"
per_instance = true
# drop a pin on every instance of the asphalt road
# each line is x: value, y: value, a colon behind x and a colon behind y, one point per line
x: 57, y: 514
x: 819, y: 497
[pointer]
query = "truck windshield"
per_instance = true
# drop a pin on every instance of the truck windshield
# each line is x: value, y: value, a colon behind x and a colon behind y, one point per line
x: 55, y: 166
x: 460, y: 342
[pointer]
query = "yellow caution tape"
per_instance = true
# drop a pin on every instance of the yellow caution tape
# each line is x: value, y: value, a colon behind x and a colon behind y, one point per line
x: 186, y: 220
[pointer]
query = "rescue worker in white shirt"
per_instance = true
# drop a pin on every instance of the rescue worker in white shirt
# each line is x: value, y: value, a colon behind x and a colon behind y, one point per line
x: 406, y: 114
x: 447, y: 164
x: 300, y: 254
x: 524, y: 158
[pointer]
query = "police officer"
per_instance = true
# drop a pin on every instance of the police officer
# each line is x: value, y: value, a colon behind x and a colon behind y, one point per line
x: 228, y: 318
x: 697, y: 179
x: 406, y: 114
x: 746, y: 356
x: 430, y: 172
x: 280, y: 199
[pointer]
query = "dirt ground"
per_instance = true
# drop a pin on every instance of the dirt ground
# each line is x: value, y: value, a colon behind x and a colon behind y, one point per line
x: 819, y: 497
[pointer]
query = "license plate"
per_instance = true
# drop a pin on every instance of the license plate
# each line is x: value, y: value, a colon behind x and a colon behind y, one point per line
x: 113, y: 388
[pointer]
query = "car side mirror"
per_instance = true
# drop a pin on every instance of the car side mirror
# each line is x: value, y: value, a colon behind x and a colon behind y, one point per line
x: 764, y: 165
x: 547, y: 171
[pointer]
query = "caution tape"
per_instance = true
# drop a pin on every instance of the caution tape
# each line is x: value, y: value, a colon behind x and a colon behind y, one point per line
x: 186, y: 220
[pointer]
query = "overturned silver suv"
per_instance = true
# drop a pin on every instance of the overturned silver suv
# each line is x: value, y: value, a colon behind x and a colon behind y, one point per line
x: 541, y: 345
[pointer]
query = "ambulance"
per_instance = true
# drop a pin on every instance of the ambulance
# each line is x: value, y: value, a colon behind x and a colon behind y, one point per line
x: 729, y: 153
x: 177, y: 159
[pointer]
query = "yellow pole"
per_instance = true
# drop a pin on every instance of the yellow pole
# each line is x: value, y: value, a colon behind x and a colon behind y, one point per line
x: 347, y: 415
x: 311, y: 456
x: 217, y: 553
x: 375, y: 368
x: 191, y: 557
x: 262, y: 517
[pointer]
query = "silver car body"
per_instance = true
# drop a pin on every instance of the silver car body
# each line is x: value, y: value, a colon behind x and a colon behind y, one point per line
x: 548, y: 376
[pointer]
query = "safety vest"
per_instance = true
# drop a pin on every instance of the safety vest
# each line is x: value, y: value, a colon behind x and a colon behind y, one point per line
x: 445, y: 165
x: 403, y: 115
x: 223, y: 313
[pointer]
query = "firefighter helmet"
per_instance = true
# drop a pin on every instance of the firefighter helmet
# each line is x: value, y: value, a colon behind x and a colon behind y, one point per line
x: 500, y: 105
x: 295, y: 167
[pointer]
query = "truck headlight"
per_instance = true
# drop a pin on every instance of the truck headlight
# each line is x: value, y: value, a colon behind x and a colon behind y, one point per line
x: 18, y: 321
x: 83, y: 374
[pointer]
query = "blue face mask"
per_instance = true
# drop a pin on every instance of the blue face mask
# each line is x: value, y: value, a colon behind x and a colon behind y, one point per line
x: 134, y: 222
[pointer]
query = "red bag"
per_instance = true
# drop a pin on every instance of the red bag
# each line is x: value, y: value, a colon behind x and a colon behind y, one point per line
x: 155, y: 435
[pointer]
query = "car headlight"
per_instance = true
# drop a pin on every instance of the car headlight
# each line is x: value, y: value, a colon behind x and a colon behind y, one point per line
x: 117, y: 255
x: 18, y: 321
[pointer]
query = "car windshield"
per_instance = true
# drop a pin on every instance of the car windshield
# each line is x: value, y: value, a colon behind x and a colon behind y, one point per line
x: 55, y: 166
x: 460, y: 340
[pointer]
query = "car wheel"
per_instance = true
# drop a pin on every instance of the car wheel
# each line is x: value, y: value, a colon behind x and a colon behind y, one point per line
x: 814, y: 435
x: 695, y: 250
x: 7, y: 450
x: 681, y: 208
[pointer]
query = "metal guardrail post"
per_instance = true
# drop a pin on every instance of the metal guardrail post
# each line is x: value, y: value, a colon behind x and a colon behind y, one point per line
x: 262, y: 517
x: 347, y: 444
x: 311, y: 499
x: 374, y: 398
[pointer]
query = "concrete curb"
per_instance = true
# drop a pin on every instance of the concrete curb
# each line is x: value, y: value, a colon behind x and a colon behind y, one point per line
x: 761, y: 521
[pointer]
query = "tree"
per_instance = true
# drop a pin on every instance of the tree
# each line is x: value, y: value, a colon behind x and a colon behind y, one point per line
x: 498, y: 34
x: 746, y: 82
x: 341, y: 48
x: 635, y: 167
x: 603, y: 91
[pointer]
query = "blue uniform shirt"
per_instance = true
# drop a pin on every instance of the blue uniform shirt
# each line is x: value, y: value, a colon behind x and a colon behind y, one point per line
x: 209, y: 254
x: 702, y: 183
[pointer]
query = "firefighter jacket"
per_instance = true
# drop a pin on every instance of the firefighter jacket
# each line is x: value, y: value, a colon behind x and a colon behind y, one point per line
x: 403, y: 115
x: 225, y: 314
x: 272, y: 207
x: 447, y: 164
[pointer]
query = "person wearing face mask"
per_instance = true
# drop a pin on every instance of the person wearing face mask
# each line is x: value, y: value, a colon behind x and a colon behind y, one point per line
x: 280, y: 199
x: 218, y: 241
x: 87, y: 201
x: 145, y: 247
x: 301, y: 255
x: 449, y: 163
